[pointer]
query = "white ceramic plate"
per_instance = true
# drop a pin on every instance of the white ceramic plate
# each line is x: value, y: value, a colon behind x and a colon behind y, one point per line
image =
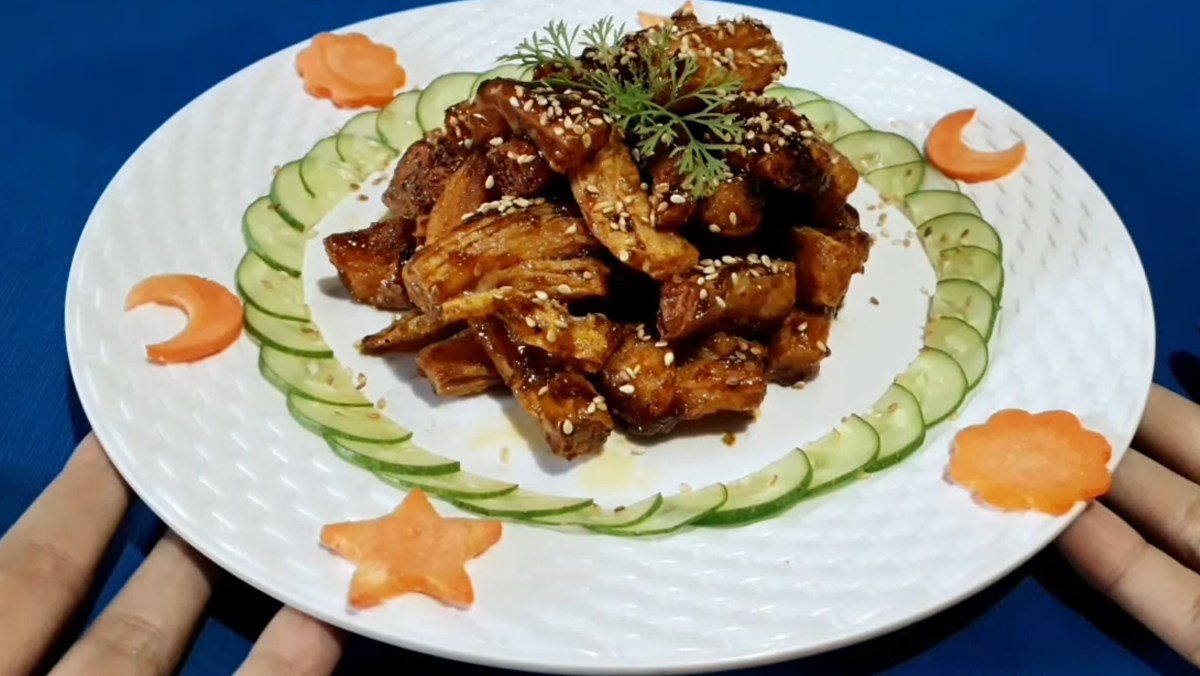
x: 213, y: 451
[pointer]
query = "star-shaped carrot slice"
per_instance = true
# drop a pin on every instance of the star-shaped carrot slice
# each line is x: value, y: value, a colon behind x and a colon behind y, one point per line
x: 413, y: 549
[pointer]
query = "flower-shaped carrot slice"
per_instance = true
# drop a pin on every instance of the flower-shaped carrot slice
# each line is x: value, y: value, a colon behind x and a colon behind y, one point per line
x: 1021, y: 461
x: 214, y: 316
x: 946, y: 151
x: 413, y: 549
x: 350, y: 70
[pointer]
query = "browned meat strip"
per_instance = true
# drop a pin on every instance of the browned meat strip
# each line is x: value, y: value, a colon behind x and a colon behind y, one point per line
x: 465, y: 192
x: 617, y: 210
x: 472, y: 124
x: 825, y: 263
x: 724, y: 375
x: 368, y: 262
x: 518, y: 168
x: 673, y: 204
x: 569, y: 279
x: 735, y: 210
x: 421, y: 176
x: 746, y: 294
x: 544, y: 323
x: 745, y: 48
x: 798, y: 347
x: 496, y: 240
x: 560, y: 398
x: 411, y: 332
x: 639, y: 383
x: 567, y: 126
x: 458, y: 366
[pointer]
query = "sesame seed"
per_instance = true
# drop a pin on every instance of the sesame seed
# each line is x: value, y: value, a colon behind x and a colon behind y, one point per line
x: 678, y: 199
x: 512, y: 101
x: 531, y: 322
x: 568, y: 427
x: 713, y: 227
x: 721, y: 301
x: 623, y: 256
x: 495, y: 141
x: 669, y: 358
x: 627, y: 389
x: 490, y: 182
x: 703, y: 294
x: 733, y: 218
x: 552, y: 335
x: 564, y: 289
x: 541, y: 295
x: 572, y: 230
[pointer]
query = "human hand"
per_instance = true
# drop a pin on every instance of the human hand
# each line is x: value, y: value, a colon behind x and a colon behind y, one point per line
x: 1142, y: 546
x: 48, y: 560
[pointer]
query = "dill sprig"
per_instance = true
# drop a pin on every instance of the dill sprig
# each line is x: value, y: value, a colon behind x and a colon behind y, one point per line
x: 651, y: 94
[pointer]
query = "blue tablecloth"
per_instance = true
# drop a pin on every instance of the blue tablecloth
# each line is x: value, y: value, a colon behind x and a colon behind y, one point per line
x: 83, y: 82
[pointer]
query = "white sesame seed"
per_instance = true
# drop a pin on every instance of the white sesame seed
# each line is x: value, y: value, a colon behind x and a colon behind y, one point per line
x: 627, y: 389
x: 669, y: 358
x: 623, y: 256
x: 544, y: 390
x: 721, y: 301
x: 703, y: 294
x: 733, y: 218
x: 552, y: 335
x: 541, y: 295
x: 572, y: 230
x: 713, y: 227
x: 568, y: 427
x: 512, y: 101
x: 495, y: 141
x: 564, y: 289
x: 530, y: 322
x: 678, y: 199
x: 490, y: 182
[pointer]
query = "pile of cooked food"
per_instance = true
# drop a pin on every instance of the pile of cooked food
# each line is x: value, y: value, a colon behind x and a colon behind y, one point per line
x: 635, y: 235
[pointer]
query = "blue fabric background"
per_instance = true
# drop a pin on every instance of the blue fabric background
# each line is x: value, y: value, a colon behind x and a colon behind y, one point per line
x: 82, y: 83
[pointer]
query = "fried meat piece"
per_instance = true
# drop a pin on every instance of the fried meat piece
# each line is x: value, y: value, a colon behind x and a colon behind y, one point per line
x: 408, y: 333
x: 826, y: 262
x: 639, y: 384
x: 567, y: 280
x: 846, y: 218
x: 725, y: 374
x: 544, y: 323
x: 368, y: 262
x: 458, y: 366
x: 421, y: 176
x: 465, y: 192
x: 673, y: 204
x: 744, y: 48
x: 473, y: 123
x: 496, y: 240
x: 735, y: 210
x: 567, y: 126
x: 560, y: 398
x: 798, y: 347
x: 750, y: 294
x: 518, y: 168
x: 617, y: 210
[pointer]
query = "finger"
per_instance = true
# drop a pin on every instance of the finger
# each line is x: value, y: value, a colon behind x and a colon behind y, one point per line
x: 1148, y: 584
x: 145, y: 629
x: 1170, y: 432
x: 294, y: 643
x: 49, y: 557
x: 1159, y: 503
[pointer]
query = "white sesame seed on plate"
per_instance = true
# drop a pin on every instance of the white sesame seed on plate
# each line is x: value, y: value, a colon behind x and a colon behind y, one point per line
x: 627, y: 389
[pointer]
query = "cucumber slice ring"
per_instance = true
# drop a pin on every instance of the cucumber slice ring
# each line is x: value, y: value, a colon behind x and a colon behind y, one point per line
x: 621, y: 517
x: 842, y: 455
x: 767, y: 492
x: 897, y: 419
x: 937, y: 381
x: 957, y: 339
x: 354, y: 423
x: 522, y: 504
x: 950, y: 230
x: 965, y: 300
x: 676, y: 512
x: 401, y: 458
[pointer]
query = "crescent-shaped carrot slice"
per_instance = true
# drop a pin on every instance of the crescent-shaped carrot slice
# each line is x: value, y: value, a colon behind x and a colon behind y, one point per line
x: 946, y: 151
x: 214, y: 316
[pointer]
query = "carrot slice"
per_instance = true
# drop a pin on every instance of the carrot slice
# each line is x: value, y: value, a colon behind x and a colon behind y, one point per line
x: 351, y: 70
x: 413, y: 549
x: 649, y: 19
x: 946, y: 151
x: 214, y: 316
x: 1020, y: 461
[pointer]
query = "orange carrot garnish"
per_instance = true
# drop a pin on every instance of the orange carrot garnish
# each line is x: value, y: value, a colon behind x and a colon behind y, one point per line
x: 214, y: 316
x: 350, y: 70
x: 946, y: 151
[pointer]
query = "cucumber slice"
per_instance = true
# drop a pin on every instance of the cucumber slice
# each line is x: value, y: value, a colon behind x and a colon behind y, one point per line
x: 793, y: 95
x: 595, y: 515
x: 363, y: 124
x: 934, y: 179
x: 677, y: 511
x: 938, y: 383
x: 871, y: 149
x: 820, y: 113
x: 397, y: 124
x: 965, y: 300
x: 523, y: 504
x: 270, y: 290
x: 765, y: 493
x: 364, y: 155
x: 442, y: 93
x: 897, y: 420
x: 456, y: 486
x: 845, y: 122
x: 323, y: 380
x: 893, y: 183
x: 292, y: 200
x: 402, y: 458
x: 324, y: 175
x: 842, y: 455
x: 926, y: 205
x: 971, y: 262
x: 355, y: 423
x: 957, y: 339
x: 278, y: 244
x: 508, y: 71
x: 950, y: 230
x: 289, y: 335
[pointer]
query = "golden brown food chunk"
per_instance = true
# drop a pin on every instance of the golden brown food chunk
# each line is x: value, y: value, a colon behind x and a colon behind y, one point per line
x: 569, y: 279
x: 368, y: 262
x: 465, y: 192
x: 744, y: 48
x: 798, y: 347
x: 544, y: 323
x: 725, y: 374
x: 639, y: 383
x: 567, y: 407
x: 735, y: 210
x: 496, y: 240
x: 617, y: 210
x: 410, y: 332
x: 846, y: 218
x: 673, y: 204
x: 567, y: 126
x: 750, y: 294
x: 474, y: 123
x: 458, y: 366
x: 421, y: 176
x: 518, y: 168
x: 825, y: 263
